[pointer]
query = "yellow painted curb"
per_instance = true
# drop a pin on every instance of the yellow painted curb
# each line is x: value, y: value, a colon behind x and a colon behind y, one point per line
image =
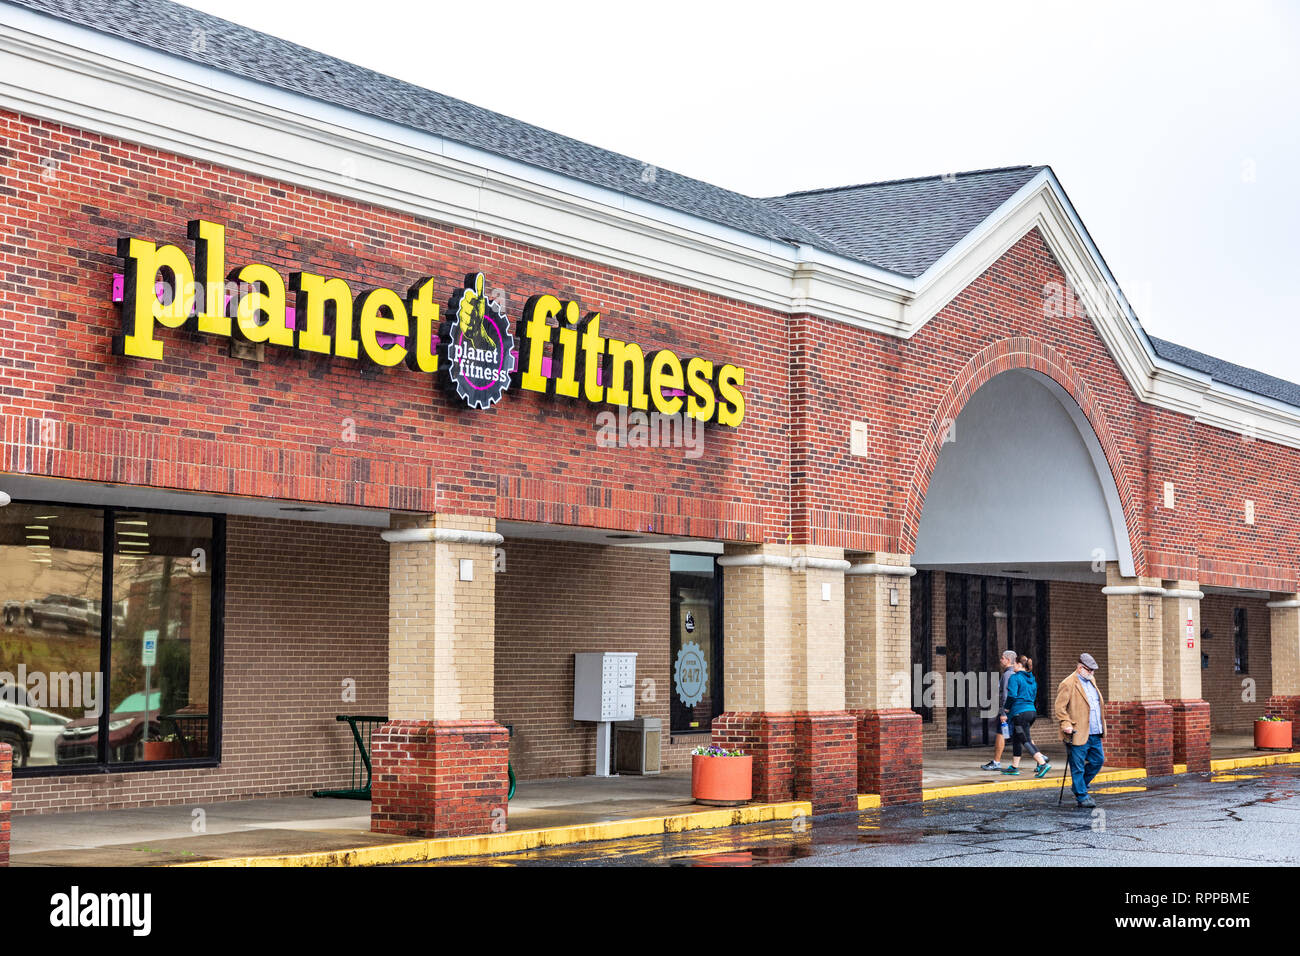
x: 1052, y: 780
x: 514, y: 841
x: 868, y: 801
x: 1263, y: 760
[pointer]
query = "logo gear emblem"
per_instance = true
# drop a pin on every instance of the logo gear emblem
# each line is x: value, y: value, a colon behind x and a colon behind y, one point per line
x: 690, y: 674
x: 478, y: 352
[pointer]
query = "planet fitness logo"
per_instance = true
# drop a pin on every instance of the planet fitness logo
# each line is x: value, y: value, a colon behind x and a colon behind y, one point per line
x: 479, y: 354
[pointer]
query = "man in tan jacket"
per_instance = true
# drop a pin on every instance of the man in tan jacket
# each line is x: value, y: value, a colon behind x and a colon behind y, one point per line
x: 1083, y: 724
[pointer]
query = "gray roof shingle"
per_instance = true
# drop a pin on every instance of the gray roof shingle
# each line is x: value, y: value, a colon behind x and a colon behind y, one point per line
x: 1238, y: 376
x: 172, y: 29
x: 905, y: 225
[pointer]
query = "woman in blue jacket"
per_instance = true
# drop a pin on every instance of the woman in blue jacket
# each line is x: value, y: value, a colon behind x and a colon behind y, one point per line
x: 1022, y: 692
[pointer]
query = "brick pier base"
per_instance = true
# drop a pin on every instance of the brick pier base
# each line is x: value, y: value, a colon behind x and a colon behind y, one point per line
x: 770, y: 740
x: 889, y: 755
x: 826, y: 761
x: 1140, y: 734
x: 797, y: 756
x: 1190, y: 722
x: 436, y: 778
x: 6, y: 799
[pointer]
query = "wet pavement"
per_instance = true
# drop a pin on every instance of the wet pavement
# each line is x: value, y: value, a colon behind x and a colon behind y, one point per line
x: 1232, y: 818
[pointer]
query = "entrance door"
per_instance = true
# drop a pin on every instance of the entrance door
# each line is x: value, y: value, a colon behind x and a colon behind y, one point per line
x: 986, y: 616
x: 696, y: 660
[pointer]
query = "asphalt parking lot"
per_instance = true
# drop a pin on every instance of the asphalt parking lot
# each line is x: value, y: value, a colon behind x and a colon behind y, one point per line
x: 1230, y: 818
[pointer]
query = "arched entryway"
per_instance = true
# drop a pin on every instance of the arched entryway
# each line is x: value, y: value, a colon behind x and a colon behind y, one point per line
x: 1021, y: 508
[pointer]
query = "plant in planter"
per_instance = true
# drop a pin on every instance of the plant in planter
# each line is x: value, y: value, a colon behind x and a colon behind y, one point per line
x: 721, y: 778
x: 167, y: 747
x: 1272, y: 733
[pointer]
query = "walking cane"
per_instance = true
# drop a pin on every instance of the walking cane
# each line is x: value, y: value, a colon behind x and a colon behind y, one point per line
x: 1064, y: 770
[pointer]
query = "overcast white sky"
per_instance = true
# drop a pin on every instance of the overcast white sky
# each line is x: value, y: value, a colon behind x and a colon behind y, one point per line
x: 1175, y: 128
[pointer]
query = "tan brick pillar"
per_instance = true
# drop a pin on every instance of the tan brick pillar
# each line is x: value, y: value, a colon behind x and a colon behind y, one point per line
x: 440, y: 761
x: 1284, y: 649
x: 783, y: 628
x: 878, y: 649
x: 1139, y: 731
x: 1180, y: 614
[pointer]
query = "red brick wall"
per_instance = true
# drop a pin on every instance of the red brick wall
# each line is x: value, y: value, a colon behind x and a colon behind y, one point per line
x: 278, y: 428
x: 221, y: 424
x: 1221, y: 685
x: 560, y: 598
x: 306, y: 608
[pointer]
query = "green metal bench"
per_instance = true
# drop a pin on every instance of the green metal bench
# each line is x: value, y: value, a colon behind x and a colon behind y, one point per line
x: 362, y: 735
x: 191, y: 732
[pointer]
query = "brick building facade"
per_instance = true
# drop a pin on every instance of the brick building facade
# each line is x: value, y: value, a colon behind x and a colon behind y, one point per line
x: 367, y: 511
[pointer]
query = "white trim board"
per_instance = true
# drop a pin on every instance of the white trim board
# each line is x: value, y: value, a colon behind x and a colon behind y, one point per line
x: 74, y: 75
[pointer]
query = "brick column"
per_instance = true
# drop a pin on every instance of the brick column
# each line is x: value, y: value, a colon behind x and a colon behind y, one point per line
x: 1139, y: 729
x: 1180, y: 613
x: 6, y: 799
x: 783, y: 625
x: 878, y: 648
x: 1284, y: 630
x: 826, y: 766
x: 440, y: 761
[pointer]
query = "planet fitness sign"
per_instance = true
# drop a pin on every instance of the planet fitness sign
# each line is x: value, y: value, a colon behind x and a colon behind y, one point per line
x: 473, y: 352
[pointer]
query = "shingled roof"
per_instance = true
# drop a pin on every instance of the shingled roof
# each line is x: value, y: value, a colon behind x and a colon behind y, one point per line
x: 1238, y: 376
x: 902, y: 226
x: 905, y: 225
x: 231, y: 48
x: 898, y: 226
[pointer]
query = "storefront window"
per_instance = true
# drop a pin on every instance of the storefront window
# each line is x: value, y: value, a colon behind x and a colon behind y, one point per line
x: 696, y: 643
x: 51, y: 582
x: 108, y: 635
x: 159, y: 690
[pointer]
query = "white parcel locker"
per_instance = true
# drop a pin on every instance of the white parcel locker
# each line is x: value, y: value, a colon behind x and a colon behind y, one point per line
x: 604, y: 690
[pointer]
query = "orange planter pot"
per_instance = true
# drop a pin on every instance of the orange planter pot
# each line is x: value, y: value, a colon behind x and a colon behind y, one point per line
x: 161, y: 749
x: 1272, y: 735
x: 722, y: 781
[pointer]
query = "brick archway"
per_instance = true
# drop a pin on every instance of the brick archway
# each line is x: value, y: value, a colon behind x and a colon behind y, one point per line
x: 1024, y: 353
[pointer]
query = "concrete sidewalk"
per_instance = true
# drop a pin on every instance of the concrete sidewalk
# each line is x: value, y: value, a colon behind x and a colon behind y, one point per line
x: 155, y: 836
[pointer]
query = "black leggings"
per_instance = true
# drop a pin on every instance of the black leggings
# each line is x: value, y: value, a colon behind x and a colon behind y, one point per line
x: 1020, y: 725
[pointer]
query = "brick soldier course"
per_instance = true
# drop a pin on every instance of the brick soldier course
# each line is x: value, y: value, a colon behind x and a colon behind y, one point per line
x: 817, y: 532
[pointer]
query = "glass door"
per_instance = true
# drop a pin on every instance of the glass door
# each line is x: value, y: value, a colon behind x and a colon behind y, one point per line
x: 696, y: 648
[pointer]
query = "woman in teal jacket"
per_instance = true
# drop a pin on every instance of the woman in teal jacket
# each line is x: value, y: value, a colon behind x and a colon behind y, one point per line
x: 1022, y: 692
